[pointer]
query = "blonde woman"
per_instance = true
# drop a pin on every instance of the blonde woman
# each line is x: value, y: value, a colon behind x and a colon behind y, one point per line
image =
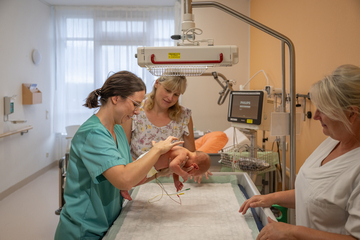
x: 160, y: 116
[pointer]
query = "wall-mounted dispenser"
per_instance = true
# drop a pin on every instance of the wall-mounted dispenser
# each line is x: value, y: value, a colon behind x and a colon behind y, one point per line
x: 9, y: 105
x: 9, y: 108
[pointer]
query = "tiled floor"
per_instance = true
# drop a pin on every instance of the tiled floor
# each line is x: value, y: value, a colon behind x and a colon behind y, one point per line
x: 29, y: 213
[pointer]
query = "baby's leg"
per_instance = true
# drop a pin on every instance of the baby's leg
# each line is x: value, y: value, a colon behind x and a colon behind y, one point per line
x: 178, y: 184
x: 125, y: 194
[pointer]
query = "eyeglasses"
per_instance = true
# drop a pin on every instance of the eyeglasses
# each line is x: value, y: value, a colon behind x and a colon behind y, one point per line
x: 136, y: 104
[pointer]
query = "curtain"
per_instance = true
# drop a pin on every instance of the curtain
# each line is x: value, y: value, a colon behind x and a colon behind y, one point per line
x: 94, y: 42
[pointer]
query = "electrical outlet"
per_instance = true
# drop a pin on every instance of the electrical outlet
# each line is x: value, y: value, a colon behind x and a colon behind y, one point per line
x: 47, y: 154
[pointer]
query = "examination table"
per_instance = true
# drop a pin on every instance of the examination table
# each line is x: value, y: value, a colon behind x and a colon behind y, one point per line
x: 207, y: 211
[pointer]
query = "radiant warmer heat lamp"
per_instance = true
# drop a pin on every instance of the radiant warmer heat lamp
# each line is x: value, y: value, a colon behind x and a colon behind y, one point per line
x: 188, y: 58
x: 185, y: 60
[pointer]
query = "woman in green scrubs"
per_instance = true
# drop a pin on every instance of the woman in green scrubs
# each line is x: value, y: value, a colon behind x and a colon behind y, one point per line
x: 100, y: 163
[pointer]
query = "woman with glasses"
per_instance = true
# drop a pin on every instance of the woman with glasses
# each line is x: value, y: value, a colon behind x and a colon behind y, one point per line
x: 161, y: 115
x: 100, y: 162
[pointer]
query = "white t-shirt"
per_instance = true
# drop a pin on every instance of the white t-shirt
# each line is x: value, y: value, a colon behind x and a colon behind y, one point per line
x: 327, y: 197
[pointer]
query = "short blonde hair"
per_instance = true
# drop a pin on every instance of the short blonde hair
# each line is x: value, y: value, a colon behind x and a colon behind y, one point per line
x: 338, y: 93
x: 173, y: 83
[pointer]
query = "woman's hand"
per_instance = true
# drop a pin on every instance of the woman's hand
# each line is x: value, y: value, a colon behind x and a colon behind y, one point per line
x: 276, y: 230
x: 166, y: 145
x: 198, y: 178
x: 257, y: 201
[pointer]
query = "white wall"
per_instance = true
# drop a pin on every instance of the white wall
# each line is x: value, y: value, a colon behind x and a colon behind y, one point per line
x: 28, y: 24
x: 202, y: 93
x: 25, y: 25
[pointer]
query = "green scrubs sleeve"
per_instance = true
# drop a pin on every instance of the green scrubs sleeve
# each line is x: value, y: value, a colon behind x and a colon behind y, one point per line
x: 100, y: 153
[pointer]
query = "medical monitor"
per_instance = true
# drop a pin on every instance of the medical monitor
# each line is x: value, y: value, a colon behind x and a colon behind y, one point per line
x: 250, y: 109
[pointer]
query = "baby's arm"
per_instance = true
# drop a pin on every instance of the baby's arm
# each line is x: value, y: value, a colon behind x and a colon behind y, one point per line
x: 176, y: 165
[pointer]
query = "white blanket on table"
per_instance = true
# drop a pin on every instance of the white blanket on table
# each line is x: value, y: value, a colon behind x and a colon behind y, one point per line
x: 208, y: 211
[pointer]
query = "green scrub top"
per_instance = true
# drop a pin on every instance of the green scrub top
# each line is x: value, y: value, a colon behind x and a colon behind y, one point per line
x: 92, y: 202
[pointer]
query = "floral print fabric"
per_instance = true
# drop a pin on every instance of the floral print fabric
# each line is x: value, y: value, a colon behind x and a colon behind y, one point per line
x: 143, y: 131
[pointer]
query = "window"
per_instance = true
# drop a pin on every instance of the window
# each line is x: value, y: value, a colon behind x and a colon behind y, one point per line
x: 93, y: 42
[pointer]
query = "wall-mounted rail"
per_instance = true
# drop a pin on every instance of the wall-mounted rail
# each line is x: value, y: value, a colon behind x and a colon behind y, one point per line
x: 21, y: 131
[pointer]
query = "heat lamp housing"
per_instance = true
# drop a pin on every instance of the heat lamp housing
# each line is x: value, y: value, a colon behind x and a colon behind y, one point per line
x: 186, y: 60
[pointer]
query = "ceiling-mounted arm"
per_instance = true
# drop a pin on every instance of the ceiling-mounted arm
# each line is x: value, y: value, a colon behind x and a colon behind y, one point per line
x: 188, y: 29
x: 226, y: 88
x: 188, y: 24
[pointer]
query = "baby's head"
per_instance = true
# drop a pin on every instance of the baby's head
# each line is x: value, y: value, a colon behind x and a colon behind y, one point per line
x: 203, y: 162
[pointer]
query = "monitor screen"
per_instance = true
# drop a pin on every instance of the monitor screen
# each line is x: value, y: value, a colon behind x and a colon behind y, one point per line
x: 245, y: 107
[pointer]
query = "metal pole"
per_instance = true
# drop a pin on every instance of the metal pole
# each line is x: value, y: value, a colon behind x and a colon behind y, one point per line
x: 283, y: 109
x: 187, y: 6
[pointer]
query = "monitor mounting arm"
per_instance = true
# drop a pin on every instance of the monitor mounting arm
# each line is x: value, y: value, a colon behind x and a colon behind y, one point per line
x: 227, y: 85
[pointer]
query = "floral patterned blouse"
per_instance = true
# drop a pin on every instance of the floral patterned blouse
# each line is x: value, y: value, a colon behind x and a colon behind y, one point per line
x: 143, y: 131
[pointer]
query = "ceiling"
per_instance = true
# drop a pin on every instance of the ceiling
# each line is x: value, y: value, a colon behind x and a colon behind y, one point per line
x: 110, y: 2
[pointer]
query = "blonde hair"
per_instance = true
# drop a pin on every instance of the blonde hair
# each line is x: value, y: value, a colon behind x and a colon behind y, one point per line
x: 338, y: 94
x: 173, y: 83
